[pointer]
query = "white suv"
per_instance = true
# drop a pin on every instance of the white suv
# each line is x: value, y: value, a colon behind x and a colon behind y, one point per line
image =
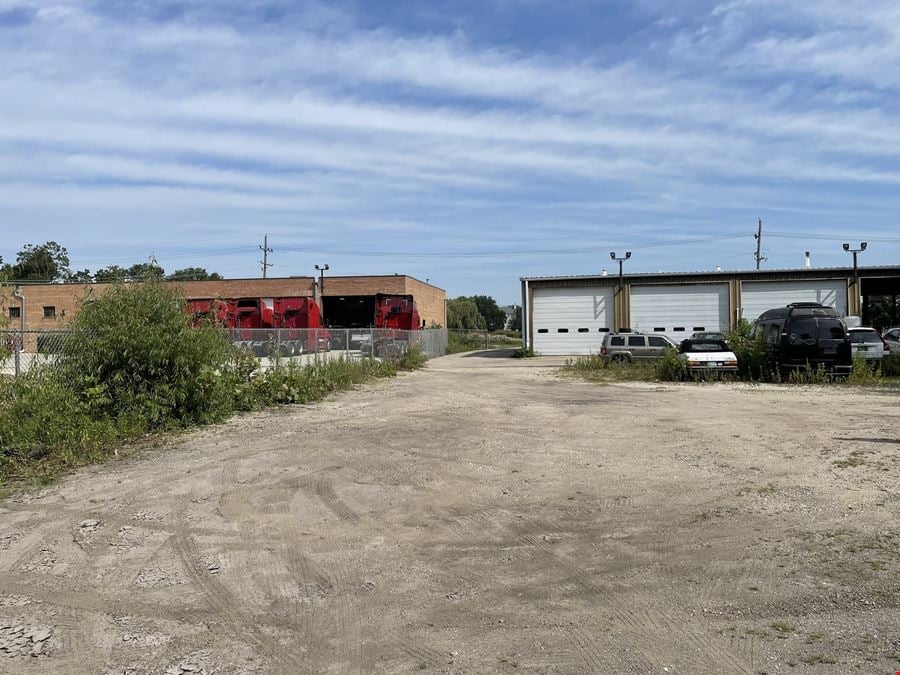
x: 892, y: 337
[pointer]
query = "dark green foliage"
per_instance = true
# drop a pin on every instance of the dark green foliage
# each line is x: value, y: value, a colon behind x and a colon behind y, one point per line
x: 755, y: 360
x: 111, y: 274
x: 494, y: 317
x: 135, y: 350
x: 463, y: 314
x: 148, y: 271
x: 194, y: 274
x: 670, y: 367
x: 515, y: 324
x: 412, y: 358
x: 133, y: 365
x: 45, y: 262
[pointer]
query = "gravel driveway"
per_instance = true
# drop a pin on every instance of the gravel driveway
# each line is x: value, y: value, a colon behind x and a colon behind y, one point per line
x: 481, y: 515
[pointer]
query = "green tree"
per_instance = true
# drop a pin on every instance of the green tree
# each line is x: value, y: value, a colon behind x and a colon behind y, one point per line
x: 515, y: 323
x: 494, y: 317
x: 463, y: 314
x: 111, y: 274
x: 194, y: 274
x: 148, y: 271
x: 45, y: 262
x: 80, y: 277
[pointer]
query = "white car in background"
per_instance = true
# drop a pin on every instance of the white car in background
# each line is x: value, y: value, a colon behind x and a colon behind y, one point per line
x: 708, y: 356
x: 868, y: 344
x: 892, y: 338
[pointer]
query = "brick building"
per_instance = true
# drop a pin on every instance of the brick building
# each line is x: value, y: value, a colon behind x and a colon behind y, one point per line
x: 49, y: 306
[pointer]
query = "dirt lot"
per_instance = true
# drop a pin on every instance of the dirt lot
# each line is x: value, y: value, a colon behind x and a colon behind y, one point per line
x: 482, y: 515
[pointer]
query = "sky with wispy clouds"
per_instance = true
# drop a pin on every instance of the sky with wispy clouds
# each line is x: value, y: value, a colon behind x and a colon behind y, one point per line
x: 468, y: 142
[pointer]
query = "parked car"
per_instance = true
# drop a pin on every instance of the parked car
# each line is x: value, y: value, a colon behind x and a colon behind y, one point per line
x: 708, y: 335
x: 708, y: 356
x: 806, y: 335
x: 629, y: 347
x: 892, y: 338
x: 867, y: 343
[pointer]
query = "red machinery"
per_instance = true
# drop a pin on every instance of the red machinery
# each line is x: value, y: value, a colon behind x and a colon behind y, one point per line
x: 253, y: 322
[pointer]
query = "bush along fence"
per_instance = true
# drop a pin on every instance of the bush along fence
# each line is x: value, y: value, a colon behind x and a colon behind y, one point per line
x: 22, y: 350
x: 131, y: 364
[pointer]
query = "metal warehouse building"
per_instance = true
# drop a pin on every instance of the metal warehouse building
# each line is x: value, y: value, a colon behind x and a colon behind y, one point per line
x: 570, y: 314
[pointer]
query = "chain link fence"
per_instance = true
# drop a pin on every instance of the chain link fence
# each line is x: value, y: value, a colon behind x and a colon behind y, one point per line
x: 21, y: 351
x: 471, y: 340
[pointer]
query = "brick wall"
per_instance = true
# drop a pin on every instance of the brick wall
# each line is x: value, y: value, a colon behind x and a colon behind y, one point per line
x: 431, y: 301
x: 65, y: 298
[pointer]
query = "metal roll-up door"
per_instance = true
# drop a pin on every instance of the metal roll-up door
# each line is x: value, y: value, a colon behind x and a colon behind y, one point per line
x: 571, y: 320
x: 677, y: 310
x: 759, y: 296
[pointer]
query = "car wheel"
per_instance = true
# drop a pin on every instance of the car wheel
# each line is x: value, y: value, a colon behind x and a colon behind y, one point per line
x: 327, y: 345
x: 620, y: 358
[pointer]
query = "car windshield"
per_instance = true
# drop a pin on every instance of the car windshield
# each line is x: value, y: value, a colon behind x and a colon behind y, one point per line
x: 693, y: 346
x: 862, y: 336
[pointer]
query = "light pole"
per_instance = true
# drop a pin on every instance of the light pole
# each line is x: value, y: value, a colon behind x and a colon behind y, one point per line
x: 322, y: 271
x: 856, y: 251
x: 612, y: 254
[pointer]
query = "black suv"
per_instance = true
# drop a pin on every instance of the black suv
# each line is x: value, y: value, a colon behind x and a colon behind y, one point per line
x: 806, y: 335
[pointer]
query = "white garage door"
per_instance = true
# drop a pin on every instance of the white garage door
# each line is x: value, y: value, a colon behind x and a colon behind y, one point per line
x: 571, y: 320
x: 678, y: 311
x: 759, y: 296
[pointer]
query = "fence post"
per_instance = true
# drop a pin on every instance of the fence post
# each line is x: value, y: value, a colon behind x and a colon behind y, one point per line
x: 17, y: 344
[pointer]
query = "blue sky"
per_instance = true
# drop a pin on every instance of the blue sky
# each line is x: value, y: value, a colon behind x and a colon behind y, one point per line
x: 468, y: 142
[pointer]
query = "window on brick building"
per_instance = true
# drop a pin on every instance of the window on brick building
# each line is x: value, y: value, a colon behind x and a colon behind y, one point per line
x: 15, y: 312
x: 49, y: 312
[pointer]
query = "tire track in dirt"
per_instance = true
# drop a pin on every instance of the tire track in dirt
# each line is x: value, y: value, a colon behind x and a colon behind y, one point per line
x: 321, y: 487
x: 242, y: 626
x: 639, y: 614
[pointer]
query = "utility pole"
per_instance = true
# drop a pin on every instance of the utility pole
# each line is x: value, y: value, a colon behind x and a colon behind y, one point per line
x: 266, y: 251
x: 618, y: 295
x: 324, y: 268
x: 855, y: 252
x: 758, y: 237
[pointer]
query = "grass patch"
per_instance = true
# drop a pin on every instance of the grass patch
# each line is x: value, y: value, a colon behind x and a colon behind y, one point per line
x: 596, y: 368
x: 767, y: 489
x: 813, y: 659
x: 783, y: 628
x: 856, y: 458
x: 412, y: 358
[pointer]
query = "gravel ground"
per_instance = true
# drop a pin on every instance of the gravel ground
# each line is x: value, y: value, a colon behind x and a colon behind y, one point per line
x: 481, y: 515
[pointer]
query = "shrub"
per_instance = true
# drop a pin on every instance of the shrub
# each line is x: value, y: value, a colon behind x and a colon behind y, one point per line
x: 863, y: 373
x: 462, y: 341
x: 670, y: 367
x: 412, y: 358
x: 756, y: 361
x: 524, y: 353
x: 134, y: 350
x: 132, y: 365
